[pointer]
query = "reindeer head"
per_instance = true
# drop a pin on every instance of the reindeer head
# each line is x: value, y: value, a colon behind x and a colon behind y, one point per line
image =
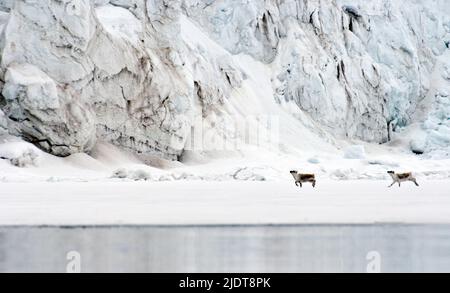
x: 391, y: 172
x: 294, y: 172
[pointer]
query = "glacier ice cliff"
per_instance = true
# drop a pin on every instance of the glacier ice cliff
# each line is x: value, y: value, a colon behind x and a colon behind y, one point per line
x: 137, y: 73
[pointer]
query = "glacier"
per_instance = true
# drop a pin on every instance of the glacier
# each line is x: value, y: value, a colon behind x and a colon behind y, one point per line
x: 139, y: 74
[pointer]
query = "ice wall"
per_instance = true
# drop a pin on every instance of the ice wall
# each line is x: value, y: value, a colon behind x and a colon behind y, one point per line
x: 358, y: 68
x: 75, y: 72
x: 70, y: 80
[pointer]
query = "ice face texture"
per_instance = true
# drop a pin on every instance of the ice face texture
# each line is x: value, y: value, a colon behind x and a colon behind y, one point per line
x: 3, y: 124
x: 136, y: 73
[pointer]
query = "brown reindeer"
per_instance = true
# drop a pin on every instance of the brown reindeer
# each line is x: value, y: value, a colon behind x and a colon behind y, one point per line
x: 302, y: 178
x: 402, y: 177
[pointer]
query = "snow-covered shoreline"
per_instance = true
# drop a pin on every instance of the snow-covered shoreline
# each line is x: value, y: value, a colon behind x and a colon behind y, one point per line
x: 222, y: 203
x: 21, y: 162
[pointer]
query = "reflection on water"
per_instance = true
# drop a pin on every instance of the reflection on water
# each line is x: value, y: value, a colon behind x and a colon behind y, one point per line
x: 316, y: 248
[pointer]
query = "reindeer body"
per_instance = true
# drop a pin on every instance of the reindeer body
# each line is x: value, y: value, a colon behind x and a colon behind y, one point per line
x: 402, y: 177
x: 303, y: 178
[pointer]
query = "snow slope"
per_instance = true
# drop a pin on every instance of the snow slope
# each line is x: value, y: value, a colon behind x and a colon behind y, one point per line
x: 23, y: 162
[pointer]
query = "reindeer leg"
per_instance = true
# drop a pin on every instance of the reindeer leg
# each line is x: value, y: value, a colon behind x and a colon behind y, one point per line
x: 314, y: 184
x: 415, y: 182
x: 296, y: 183
x: 392, y: 184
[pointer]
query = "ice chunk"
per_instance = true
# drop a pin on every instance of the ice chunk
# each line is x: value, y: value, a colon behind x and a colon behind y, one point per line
x: 136, y: 175
x: 355, y: 152
x: 247, y: 174
x: 140, y: 175
x: 20, y: 154
x: 418, y: 145
x: 314, y: 160
x: 31, y: 87
x: 382, y: 162
x: 120, y: 173
x: 6, y: 5
x: 3, y: 123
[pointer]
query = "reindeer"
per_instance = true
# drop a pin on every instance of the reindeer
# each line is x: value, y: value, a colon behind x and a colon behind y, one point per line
x: 301, y: 178
x: 402, y: 177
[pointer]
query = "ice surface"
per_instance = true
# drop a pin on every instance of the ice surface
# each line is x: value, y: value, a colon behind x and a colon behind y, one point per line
x: 120, y: 22
x: 3, y: 124
x: 112, y: 187
x: 355, y: 152
x: 113, y: 92
x: 216, y: 203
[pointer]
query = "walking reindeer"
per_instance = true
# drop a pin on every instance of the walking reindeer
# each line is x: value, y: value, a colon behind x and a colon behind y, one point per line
x: 302, y: 178
x: 311, y: 178
x: 402, y: 177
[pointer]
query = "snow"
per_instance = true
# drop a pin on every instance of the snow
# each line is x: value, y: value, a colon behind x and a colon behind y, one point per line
x: 107, y: 163
x: 20, y: 154
x: 136, y: 175
x: 112, y: 187
x: 148, y: 97
x: 355, y: 152
x: 121, y: 22
x: 217, y: 203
